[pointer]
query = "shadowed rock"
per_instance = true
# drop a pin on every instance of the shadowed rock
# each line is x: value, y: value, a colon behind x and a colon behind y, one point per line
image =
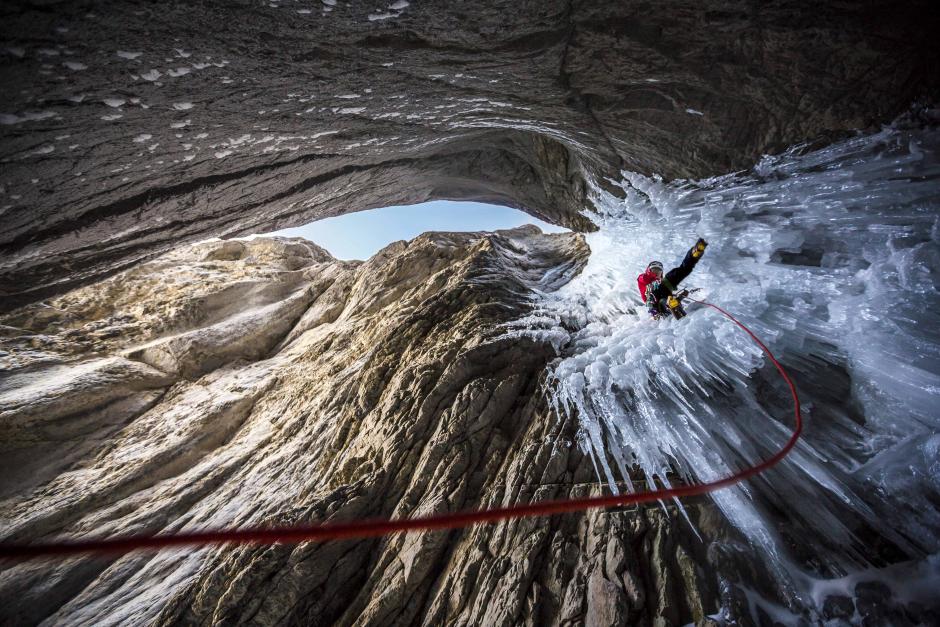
x: 130, y: 130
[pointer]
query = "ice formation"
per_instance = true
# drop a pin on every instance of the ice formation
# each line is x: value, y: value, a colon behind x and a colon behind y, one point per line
x: 832, y: 257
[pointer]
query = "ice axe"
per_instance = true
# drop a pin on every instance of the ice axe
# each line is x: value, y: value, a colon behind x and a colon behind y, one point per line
x: 674, y: 302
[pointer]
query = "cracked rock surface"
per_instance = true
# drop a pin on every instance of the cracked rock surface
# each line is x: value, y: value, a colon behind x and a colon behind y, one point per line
x: 129, y: 129
x: 349, y: 390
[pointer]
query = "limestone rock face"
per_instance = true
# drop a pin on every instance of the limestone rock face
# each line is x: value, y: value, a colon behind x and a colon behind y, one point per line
x: 262, y: 382
x: 130, y: 130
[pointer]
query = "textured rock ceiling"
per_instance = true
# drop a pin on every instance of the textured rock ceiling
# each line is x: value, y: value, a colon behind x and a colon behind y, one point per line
x: 129, y: 128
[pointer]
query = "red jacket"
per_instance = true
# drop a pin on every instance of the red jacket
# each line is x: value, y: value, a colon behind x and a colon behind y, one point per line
x: 643, y: 280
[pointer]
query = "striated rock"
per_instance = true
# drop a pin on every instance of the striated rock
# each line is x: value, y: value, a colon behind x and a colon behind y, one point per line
x: 127, y: 132
x: 396, y: 393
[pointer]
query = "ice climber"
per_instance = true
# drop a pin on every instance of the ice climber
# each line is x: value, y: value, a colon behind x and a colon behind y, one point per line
x: 657, y: 290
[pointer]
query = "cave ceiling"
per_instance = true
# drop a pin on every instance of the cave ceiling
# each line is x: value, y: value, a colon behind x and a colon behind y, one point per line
x: 129, y: 128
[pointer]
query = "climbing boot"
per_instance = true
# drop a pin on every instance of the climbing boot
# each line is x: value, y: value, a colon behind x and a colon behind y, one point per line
x: 699, y: 248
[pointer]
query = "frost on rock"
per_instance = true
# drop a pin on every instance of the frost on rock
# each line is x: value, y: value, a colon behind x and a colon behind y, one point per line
x: 7, y: 119
x: 831, y: 257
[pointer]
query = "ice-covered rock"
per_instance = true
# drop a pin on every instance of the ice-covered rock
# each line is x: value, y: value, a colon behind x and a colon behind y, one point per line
x: 832, y: 257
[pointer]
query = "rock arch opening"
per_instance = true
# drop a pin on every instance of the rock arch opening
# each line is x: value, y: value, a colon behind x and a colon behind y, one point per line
x: 109, y: 228
x: 360, y: 234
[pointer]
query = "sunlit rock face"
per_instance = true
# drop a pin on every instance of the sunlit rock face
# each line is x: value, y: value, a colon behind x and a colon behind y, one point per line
x: 263, y: 382
x: 131, y: 129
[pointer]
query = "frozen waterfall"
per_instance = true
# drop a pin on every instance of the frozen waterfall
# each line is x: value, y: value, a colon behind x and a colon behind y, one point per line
x: 832, y: 257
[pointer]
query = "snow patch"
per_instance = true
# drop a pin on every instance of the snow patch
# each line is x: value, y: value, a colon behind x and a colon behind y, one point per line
x: 128, y: 55
x: 7, y: 119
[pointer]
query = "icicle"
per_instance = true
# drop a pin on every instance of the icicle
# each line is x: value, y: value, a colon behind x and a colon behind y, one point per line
x: 833, y: 257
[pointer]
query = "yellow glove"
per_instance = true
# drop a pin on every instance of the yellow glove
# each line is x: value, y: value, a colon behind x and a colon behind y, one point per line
x: 672, y: 301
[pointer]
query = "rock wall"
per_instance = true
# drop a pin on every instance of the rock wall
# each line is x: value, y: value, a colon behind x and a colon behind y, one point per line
x: 131, y: 129
x: 262, y: 382
x: 241, y: 383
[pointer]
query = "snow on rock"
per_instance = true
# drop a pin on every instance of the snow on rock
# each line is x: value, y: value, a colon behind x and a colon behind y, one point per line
x: 9, y: 118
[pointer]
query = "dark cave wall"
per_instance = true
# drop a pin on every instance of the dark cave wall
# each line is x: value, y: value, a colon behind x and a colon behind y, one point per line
x: 240, y: 118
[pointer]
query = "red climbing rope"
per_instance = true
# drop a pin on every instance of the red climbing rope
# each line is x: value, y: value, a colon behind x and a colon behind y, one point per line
x: 380, y: 526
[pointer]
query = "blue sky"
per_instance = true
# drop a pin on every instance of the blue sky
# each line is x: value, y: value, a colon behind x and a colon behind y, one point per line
x: 361, y: 234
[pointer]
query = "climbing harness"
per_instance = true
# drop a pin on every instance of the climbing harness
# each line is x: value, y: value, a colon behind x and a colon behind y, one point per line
x: 370, y: 528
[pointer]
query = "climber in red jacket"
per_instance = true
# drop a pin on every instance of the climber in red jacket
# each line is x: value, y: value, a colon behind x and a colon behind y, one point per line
x: 655, y: 289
